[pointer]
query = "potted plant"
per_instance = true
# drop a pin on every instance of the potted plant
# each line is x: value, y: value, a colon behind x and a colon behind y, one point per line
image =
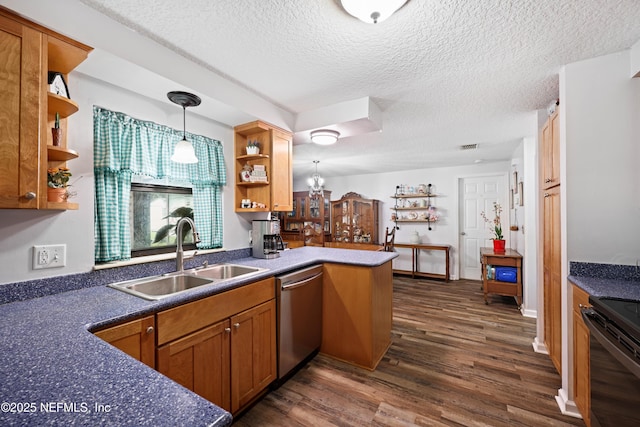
x: 496, y: 228
x: 56, y: 132
x: 57, y: 183
x: 253, y: 147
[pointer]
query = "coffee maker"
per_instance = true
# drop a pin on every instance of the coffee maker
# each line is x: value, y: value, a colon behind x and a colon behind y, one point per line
x: 266, y: 239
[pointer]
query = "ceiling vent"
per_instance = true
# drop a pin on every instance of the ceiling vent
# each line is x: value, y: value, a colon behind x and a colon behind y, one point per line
x: 469, y: 147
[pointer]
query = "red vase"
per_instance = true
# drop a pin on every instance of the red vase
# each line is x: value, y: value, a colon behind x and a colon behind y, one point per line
x: 498, y: 246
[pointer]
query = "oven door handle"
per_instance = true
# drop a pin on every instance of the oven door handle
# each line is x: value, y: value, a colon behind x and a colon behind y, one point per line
x: 610, y: 343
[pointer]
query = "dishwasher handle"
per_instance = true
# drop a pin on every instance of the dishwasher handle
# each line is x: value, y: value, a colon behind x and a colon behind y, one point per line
x: 299, y: 283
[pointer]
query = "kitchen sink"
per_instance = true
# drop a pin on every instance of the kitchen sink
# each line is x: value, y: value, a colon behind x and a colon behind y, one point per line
x: 157, y: 287
x: 225, y: 271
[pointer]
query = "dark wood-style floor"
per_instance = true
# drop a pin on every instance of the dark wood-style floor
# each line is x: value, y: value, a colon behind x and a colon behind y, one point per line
x: 454, y: 361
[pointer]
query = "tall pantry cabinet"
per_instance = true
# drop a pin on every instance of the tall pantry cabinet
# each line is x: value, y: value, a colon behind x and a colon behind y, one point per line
x: 552, y: 264
x: 28, y: 52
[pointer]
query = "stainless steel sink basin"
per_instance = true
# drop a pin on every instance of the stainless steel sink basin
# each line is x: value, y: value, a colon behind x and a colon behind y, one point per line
x: 161, y: 286
x: 226, y: 271
x: 157, y: 287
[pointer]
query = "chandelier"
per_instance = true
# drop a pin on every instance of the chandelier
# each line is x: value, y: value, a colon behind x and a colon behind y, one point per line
x: 316, y: 183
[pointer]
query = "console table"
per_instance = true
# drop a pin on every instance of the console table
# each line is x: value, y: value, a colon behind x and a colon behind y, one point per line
x: 415, y: 248
x: 508, y: 258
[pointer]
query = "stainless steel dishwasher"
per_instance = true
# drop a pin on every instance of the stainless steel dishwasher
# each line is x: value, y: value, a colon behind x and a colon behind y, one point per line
x: 299, y: 308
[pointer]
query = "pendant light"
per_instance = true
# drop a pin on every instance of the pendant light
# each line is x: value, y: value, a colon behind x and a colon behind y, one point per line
x: 184, y: 152
x: 316, y: 183
x: 372, y: 11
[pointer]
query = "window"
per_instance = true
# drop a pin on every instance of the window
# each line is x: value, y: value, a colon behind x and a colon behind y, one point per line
x: 126, y: 149
x: 154, y: 211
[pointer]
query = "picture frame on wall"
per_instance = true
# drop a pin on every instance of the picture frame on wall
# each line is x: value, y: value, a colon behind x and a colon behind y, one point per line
x: 521, y: 189
x: 515, y: 182
x: 511, y: 205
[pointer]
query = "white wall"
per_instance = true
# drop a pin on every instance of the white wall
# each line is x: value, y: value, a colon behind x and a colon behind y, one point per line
x: 445, y: 184
x: 21, y: 229
x: 602, y: 175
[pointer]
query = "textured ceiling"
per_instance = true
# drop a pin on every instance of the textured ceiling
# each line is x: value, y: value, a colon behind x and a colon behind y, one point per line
x: 443, y: 72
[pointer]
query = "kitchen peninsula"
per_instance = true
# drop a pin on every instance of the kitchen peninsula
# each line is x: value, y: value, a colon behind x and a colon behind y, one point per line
x: 56, y: 372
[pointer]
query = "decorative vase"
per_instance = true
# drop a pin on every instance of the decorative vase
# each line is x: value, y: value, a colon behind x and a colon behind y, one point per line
x: 253, y: 150
x: 56, y: 195
x: 56, y: 135
x: 498, y: 246
x: 415, y: 238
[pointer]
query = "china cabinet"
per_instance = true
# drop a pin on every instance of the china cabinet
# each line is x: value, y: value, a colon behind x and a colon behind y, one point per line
x: 264, y: 179
x: 355, y: 219
x: 414, y: 204
x: 28, y: 109
x: 308, y: 214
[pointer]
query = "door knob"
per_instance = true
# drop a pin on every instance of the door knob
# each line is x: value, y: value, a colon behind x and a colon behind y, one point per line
x: 463, y: 234
x: 30, y: 195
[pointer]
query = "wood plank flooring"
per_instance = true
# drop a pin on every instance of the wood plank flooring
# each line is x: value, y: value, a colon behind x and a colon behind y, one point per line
x: 454, y: 361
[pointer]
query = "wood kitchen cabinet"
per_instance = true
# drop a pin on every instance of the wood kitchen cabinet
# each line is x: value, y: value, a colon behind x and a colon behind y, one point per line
x: 551, y: 152
x: 136, y: 338
x: 275, y: 157
x: 222, y: 347
x: 552, y: 276
x: 581, y: 365
x: 28, y: 52
x: 357, y: 313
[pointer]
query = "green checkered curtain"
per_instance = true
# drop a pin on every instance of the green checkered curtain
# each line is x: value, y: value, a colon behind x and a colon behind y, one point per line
x: 125, y: 146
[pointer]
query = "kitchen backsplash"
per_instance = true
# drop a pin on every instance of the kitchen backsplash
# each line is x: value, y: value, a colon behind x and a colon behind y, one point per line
x: 20, y: 291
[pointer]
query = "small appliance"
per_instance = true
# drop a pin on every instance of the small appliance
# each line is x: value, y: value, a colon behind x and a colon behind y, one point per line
x: 266, y: 240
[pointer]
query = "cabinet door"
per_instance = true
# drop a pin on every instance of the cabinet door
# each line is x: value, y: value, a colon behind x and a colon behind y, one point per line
x: 581, y: 354
x: 136, y: 338
x: 551, y: 152
x: 253, y: 353
x: 552, y: 275
x: 281, y: 172
x: 200, y: 362
x: 21, y: 61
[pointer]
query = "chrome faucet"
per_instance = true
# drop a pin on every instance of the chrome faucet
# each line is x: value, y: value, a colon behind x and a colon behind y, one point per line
x: 179, y: 252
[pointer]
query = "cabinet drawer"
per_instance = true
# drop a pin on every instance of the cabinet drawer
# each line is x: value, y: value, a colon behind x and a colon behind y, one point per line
x: 503, y: 261
x: 503, y: 288
x: 185, y: 319
x: 580, y: 297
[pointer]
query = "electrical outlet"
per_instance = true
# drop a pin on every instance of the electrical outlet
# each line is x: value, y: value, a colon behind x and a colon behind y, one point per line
x: 49, y: 256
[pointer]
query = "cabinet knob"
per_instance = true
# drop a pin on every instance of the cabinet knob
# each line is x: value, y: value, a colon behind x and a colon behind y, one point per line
x: 547, y: 194
x: 30, y: 195
x: 150, y: 330
x: 236, y: 325
x: 227, y: 330
x: 548, y: 180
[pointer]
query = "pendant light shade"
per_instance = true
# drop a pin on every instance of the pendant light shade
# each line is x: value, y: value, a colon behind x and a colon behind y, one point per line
x: 372, y: 11
x: 324, y: 136
x: 183, y: 151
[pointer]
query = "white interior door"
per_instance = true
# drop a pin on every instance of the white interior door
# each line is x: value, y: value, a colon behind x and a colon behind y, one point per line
x: 477, y: 194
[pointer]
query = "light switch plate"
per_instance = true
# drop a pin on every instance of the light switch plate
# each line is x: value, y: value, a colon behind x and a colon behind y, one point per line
x: 49, y: 256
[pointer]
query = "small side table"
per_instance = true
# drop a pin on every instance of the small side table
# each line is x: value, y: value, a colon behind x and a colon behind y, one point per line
x: 509, y: 258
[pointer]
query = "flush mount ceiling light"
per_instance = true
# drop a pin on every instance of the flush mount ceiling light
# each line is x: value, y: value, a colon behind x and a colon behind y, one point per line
x: 316, y: 183
x: 184, y: 152
x: 372, y: 11
x: 324, y: 136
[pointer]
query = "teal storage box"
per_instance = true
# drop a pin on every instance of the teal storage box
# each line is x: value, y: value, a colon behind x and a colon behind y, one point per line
x: 506, y: 274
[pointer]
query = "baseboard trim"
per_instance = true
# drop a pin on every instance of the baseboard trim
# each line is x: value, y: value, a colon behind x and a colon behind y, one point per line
x: 539, y: 346
x: 567, y: 406
x: 527, y: 312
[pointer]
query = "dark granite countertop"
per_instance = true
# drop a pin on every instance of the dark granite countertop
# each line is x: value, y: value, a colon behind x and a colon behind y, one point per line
x: 55, y: 372
x: 606, y: 280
